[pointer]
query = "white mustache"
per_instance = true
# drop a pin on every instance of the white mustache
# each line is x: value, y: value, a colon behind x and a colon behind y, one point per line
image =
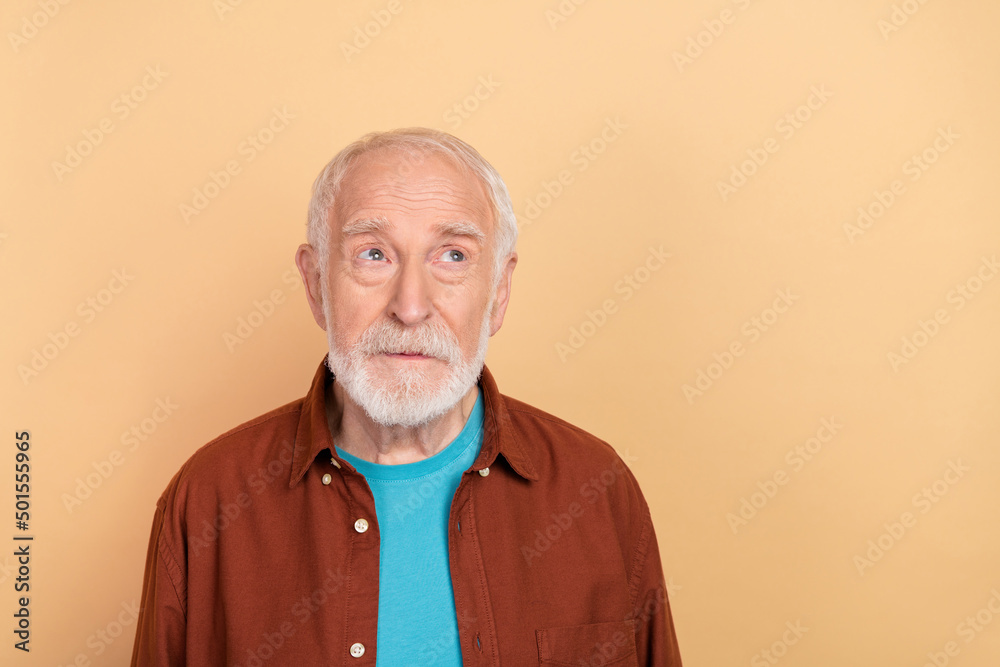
x: 430, y: 340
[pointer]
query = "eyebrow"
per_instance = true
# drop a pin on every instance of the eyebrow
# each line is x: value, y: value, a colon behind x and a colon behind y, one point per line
x: 364, y: 225
x: 445, y: 228
x: 460, y: 228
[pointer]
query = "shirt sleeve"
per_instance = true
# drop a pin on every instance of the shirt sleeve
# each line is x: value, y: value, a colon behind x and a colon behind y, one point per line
x: 655, y: 639
x: 161, y: 626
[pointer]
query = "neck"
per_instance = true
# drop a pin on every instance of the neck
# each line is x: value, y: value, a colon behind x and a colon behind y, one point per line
x: 355, y: 433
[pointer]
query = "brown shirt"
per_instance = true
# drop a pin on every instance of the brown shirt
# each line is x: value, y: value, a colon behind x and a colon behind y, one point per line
x: 265, y: 550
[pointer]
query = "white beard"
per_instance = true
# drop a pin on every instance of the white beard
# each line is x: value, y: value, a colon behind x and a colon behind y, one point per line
x: 410, y: 397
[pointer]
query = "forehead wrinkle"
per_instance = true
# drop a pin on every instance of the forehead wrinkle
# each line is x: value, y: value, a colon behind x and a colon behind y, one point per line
x: 378, y: 205
x: 457, y: 196
x: 443, y: 189
x: 445, y: 227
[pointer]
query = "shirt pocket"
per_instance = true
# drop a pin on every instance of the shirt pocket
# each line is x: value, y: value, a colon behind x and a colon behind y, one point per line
x: 610, y: 644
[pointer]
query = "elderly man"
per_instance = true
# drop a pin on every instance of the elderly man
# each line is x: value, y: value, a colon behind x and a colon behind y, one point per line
x: 405, y: 512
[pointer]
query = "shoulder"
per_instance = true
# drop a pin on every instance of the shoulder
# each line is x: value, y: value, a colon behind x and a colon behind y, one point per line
x: 240, y: 458
x: 551, y: 436
x: 561, y: 450
x: 529, y: 420
x: 578, y: 468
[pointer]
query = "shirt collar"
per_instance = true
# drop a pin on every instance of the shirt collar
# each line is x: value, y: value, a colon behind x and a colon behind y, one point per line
x: 313, y: 438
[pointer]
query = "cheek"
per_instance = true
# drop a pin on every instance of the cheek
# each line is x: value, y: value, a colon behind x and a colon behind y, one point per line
x: 350, y: 315
x: 472, y: 325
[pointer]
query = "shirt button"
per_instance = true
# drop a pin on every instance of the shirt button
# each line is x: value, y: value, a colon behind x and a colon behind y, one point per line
x: 327, y: 478
x: 357, y: 649
x: 361, y: 526
x: 484, y: 472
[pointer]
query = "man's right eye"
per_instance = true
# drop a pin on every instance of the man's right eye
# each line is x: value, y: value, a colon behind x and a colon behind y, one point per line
x: 372, y: 253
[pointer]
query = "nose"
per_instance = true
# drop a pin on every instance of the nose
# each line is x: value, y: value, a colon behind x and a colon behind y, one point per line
x: 410, y: 302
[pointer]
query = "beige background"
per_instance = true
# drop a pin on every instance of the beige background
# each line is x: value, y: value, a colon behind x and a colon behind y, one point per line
x: 892, y: 80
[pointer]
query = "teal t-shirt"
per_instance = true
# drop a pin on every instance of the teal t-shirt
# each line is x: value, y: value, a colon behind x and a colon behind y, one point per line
x: 417, y: 623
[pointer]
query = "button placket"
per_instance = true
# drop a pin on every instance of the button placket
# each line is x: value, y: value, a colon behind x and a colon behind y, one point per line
x: 362, y: 598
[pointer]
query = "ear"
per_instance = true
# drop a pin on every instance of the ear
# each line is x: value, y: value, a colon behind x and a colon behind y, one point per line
x: 308, y: 263
x: 502, y: 294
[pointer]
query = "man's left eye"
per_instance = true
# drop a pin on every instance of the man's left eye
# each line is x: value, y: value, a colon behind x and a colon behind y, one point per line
x: 454, y: 255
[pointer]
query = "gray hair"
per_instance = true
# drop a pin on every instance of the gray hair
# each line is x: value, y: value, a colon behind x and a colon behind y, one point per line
x: 416, y: 143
